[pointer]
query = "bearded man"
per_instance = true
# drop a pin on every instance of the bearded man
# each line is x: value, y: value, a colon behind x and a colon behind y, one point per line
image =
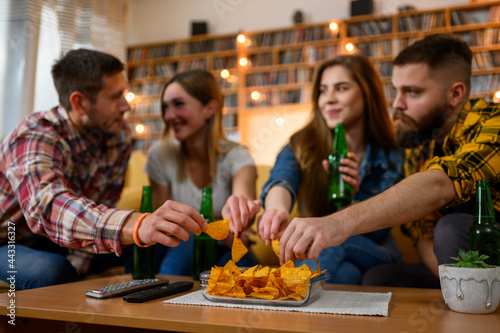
x: 451, y: 142
x: 61, y: 174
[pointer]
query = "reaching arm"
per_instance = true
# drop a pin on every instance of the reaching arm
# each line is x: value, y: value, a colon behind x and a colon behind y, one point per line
x: 275, y: 218
x: 411, y: 199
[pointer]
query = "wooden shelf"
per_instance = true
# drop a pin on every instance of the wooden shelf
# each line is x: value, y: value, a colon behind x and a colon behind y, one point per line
x: 298, y: 49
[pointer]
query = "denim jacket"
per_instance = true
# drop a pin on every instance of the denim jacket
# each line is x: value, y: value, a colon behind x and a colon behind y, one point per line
x: 379, y: 169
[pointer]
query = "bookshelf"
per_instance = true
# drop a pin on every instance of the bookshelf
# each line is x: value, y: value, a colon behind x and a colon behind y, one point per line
x: 280, y: 63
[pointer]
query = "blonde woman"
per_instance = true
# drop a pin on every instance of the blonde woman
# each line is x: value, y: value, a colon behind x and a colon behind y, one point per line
x: 194, y: 153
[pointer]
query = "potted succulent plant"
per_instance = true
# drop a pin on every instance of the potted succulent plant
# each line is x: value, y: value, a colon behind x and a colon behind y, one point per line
x: 470, y: 285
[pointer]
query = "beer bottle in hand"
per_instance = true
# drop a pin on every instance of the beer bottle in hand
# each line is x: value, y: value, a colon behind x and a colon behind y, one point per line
x: 339, y: 192
x: 144, y: 264
x: 204, y: 245
x: 484, y: 234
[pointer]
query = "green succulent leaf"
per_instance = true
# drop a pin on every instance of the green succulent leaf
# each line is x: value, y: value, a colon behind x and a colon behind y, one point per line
x: 471, y: 259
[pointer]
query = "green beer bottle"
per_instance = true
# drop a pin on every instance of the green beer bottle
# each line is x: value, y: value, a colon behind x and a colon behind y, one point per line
x: 204, y: 257
x: 144, y: 265
x: 339, y: 192
x: 484, y: 234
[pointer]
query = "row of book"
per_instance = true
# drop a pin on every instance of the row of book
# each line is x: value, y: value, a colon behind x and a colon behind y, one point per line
x: 141, y: 108
x: 138, y: 72
x: 485, y: 83
x: 209, y: 45
x: 267, y: 78
x: 261, y: 59
x: 153, y: 52
x: 230, y: 120
x: 368, y: 28
x: 379, y: 48
x: 321, y: 53
x: 480, y: 15
x: 421, y: 22
x: 165, y: 69
x: 275, y: 98
x: 229, y: 83
x: 159, y: 70
x: 186, y: 65
x: 486, y: 59
x: 219, y: 63
x: 481, y: 37
x: 292, y: 36
x: 147, y: 88
x: 231, y: 101
x: 384, y: 68
x: 291, y: 56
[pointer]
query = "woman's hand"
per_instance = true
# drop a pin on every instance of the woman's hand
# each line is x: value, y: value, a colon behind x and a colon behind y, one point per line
x: 350, y: 169
x: 240, y: 210
x: 272, y: 224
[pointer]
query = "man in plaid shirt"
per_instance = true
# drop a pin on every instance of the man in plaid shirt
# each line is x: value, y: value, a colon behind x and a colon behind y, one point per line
x: 452, y: 142
x: 62, y: 171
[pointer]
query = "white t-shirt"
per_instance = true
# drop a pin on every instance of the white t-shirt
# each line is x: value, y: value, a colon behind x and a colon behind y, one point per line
x: 161, y: 166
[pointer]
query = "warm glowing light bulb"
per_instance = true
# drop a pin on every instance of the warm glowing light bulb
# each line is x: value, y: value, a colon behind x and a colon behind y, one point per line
x: 255, y: 95
x: 349, y: 47
x: 139, y: 128
x: 497, y: 94
x: 241, y: 38
x: 334, y: 26
x: 129, y: 96
x: 224, y: 74
x: 243, y: 62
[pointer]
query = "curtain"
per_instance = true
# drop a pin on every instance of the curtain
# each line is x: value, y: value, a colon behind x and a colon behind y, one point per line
x: 35, y: 33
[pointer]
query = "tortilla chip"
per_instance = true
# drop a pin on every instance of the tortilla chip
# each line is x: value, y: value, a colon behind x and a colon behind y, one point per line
x: 218, y: 230
x: 275, y: 243
x: 238, y: 250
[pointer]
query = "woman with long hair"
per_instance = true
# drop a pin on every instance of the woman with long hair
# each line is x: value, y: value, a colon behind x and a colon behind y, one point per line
x: 346, y: 89
x: 194, y: 153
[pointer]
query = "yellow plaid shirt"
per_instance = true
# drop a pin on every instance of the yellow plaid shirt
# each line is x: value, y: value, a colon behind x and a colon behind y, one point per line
x: 471, y: 151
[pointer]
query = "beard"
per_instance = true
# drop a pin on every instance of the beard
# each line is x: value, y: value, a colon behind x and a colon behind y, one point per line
x: 410, y: 134
x: 96, y: 123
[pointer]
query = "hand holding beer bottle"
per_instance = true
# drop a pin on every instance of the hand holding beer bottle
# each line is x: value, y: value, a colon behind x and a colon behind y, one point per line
x: 339, y: 191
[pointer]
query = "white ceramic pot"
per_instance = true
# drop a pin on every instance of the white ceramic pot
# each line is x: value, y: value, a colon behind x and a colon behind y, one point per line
x: 470, y: 290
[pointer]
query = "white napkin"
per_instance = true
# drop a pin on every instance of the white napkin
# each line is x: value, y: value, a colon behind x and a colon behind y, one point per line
x: 330, y: 301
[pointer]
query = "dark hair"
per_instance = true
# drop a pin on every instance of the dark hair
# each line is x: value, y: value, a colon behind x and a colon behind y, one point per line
x: 82, y: 70
x: 446, y: 55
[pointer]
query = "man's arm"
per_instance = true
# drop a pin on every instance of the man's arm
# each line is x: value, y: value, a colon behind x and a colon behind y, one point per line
x: 409, y: 200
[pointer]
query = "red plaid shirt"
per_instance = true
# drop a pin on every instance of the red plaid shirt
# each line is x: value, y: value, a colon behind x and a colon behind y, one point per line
x: 58, y: 183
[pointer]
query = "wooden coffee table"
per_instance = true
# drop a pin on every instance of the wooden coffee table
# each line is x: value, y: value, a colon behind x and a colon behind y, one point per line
x: 65, y: 308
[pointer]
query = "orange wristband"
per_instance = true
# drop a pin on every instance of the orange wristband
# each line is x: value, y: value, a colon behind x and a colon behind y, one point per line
x: 136, y: 229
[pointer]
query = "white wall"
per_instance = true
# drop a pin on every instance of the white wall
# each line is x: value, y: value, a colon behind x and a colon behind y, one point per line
x: 153, y: 21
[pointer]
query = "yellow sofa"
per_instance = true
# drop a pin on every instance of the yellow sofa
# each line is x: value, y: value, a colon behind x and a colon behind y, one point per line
x: 136, y: 178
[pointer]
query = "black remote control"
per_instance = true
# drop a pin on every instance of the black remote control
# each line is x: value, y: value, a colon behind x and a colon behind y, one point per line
x: 157, y: 292
x: 125, y: 288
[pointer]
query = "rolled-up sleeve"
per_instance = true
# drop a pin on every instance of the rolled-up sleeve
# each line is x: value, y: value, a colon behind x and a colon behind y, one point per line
x: 478, y: 158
